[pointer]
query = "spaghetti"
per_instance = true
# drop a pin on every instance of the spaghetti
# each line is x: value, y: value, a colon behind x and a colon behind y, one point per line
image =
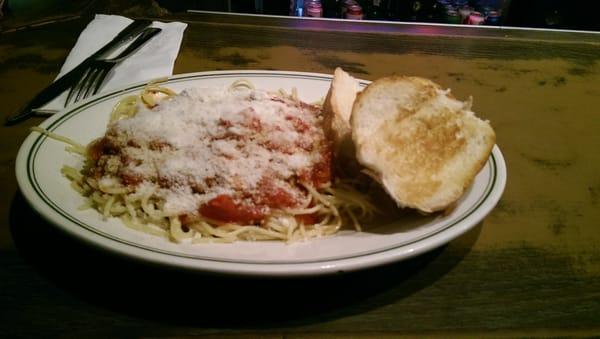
x: 251, y: 165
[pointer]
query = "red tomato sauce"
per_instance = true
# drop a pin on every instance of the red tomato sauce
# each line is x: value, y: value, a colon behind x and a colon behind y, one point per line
x: 225, y: 208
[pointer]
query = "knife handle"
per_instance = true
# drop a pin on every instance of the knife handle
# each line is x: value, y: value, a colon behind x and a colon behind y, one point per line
x: 41, y: 98
x: 131, y: 31
x: 146, y: 35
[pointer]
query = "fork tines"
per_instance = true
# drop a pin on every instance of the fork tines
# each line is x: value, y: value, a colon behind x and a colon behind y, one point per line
x: 89, y: 83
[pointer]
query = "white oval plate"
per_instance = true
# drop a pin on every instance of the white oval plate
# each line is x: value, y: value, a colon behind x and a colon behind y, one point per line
x: 39, y: 178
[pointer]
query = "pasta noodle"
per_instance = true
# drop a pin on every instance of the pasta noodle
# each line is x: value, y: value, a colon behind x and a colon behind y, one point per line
x: 140, y: 208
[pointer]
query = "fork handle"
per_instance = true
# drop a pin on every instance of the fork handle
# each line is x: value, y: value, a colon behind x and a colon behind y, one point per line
x: 146, y: 35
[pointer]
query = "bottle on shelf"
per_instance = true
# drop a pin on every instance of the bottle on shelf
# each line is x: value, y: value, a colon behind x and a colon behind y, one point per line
x: 475, y: 18
x: 354, y: 12
x: 313, y: 8
x: 296, y: 7
x: 452, y: 16
x: 492, y: 18
x: 344, y: 5
x: 464, y: 13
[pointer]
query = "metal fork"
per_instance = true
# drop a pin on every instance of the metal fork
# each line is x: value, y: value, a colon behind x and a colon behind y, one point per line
x: 98, y: 69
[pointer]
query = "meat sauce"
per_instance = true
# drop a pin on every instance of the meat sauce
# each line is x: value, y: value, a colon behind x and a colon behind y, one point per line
x: 255, y: 207
x: 224, y: 208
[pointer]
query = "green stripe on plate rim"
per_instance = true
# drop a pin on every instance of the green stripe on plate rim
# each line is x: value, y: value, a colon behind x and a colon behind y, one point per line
x: 32, y: 156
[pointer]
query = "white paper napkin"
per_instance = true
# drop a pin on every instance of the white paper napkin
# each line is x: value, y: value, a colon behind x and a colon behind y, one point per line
x: 153, y: 60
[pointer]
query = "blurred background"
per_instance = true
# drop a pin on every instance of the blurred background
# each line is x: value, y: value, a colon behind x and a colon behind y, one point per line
x: 553, y: 14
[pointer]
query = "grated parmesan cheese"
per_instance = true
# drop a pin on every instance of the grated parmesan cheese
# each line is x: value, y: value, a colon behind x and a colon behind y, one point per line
x: 207, y: 142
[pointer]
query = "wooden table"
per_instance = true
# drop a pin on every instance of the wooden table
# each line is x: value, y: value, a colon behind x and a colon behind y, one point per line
x: 531, y: 268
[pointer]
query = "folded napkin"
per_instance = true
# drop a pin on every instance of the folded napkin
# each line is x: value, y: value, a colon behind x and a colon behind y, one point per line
x: 155, y: 59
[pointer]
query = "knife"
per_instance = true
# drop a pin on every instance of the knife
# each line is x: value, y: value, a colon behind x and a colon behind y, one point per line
x: 65, y: 81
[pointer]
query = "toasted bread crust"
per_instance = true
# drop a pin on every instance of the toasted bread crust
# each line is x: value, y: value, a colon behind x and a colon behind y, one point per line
x: 337, y: 109
x: 422, y: 144
x: 338, y: 105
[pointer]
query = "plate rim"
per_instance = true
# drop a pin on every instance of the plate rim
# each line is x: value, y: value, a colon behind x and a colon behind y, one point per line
x: 229, y: 266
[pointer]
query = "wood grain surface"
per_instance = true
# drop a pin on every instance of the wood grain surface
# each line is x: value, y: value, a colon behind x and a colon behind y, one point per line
x: 530, y: 269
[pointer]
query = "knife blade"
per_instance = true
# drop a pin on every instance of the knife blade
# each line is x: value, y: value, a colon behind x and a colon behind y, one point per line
x: 64, y: 82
